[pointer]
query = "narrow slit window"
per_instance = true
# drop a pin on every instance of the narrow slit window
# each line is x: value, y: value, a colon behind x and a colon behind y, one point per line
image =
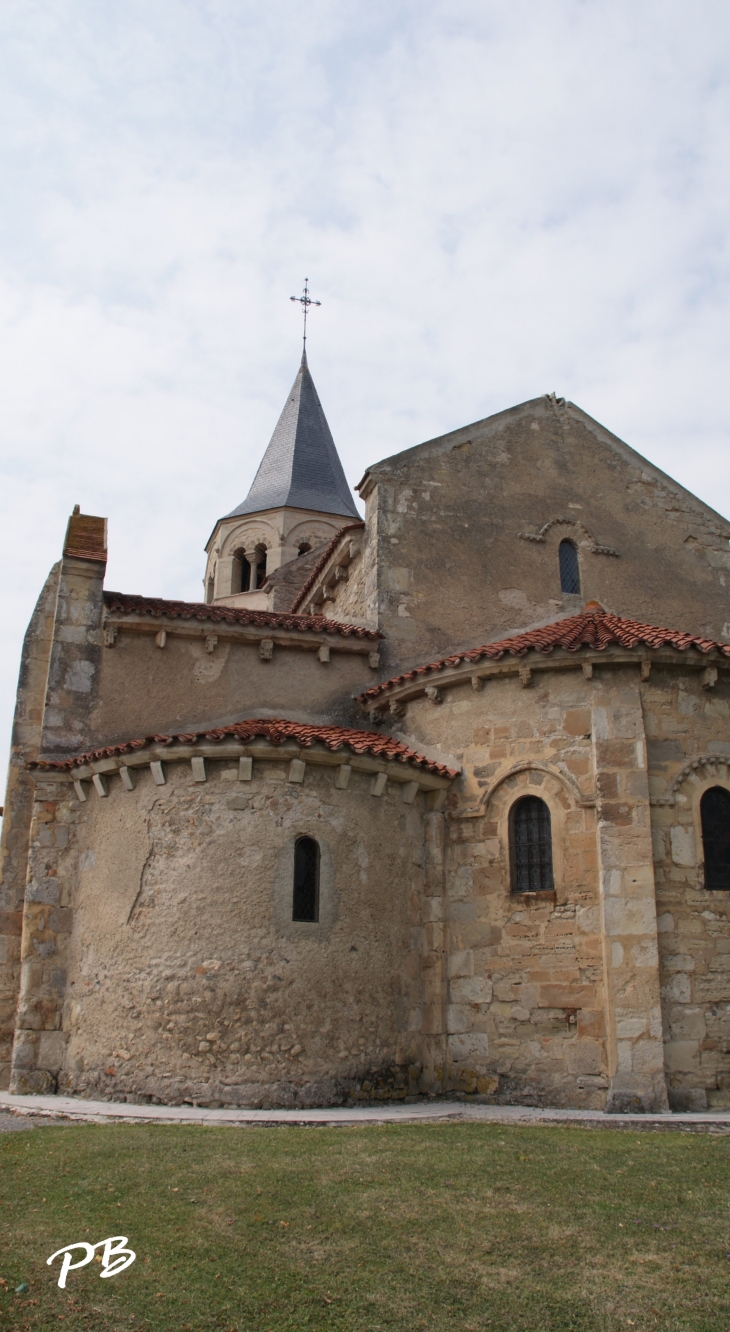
x: 306, y: 879
x: 259, y: 578
x: 569, y: 568
x: 531, y: 846
x: 715, y: 818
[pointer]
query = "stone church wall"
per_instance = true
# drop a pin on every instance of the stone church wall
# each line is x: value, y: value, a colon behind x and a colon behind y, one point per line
x: 468, y: 526
x: 162, y: 960
x: 687, y: 725
x: 525, y: 1004
x: 19, y: 799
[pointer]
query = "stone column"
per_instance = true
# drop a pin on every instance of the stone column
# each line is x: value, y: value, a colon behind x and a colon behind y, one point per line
x: 224, y: 572
x: 628, y: 903
x: 434, y: 929
x: 40, y: 1041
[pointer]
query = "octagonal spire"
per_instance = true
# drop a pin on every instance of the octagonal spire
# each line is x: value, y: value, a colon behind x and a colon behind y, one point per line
x: 301, y: 468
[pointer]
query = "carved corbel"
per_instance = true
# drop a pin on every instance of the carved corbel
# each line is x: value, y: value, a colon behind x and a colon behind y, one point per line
x: 434, y: 694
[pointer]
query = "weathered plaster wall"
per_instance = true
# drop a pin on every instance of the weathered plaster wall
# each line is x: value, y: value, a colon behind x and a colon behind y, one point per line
x: 169, y: 910
x: 453, y: 569
x: 146, y: 690
x: 687, y: 724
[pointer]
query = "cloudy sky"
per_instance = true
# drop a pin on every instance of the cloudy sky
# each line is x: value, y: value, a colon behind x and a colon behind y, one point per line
x: 492, y: 199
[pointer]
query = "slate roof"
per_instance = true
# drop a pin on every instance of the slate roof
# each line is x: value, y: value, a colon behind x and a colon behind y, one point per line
x: 124, y: 603
x: 329, y: 549
x: 301, y: 468
x: 593, y: 628
x: 277, y: 732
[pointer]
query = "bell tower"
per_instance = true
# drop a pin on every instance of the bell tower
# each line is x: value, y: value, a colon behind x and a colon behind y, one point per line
x: 299, y: 498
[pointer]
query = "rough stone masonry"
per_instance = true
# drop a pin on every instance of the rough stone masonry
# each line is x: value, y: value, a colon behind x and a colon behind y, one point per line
x: 433, y: 801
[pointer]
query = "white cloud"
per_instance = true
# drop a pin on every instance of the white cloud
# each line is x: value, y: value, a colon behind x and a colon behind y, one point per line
x: 492, y: 200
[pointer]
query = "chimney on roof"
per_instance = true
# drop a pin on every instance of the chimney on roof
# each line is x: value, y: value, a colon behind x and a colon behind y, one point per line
x: 85, y: 537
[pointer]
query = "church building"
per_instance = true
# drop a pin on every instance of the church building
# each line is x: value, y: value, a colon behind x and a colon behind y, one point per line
x: 430, y: 802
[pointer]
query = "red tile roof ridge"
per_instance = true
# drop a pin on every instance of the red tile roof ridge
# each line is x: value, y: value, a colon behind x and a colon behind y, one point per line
x: 125, y: 603
x: 277, y: 732
x: 329, y: 550
x: 594, y: 628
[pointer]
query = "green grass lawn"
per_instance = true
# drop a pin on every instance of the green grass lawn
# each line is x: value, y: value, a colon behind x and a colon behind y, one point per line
x: 437, y: 1226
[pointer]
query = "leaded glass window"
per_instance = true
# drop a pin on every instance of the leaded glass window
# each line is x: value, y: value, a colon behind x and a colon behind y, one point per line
x: 531, y: 846
x: 306, y: 879
x: 715, y: 816
x: 569, y: 569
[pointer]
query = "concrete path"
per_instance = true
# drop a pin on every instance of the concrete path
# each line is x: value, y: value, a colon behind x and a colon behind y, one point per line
x: 71, y: 1108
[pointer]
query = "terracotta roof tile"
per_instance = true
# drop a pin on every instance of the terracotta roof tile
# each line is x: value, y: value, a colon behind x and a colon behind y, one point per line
x: 277, y: 733
x: 593, y: 628
x: 123, y: 603
x: 322, y: 561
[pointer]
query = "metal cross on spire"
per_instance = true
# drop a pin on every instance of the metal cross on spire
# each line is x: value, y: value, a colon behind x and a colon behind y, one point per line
x: 305, y: 301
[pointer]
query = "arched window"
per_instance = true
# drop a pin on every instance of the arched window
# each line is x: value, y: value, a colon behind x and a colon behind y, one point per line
x: 715, y: 817
x: 305, y: 546
x: 244, y: 576
x: 531, y: 846
x: 259, y: 556
x: 306, y: 879
x: 569, y: 569
x: 210, y: 590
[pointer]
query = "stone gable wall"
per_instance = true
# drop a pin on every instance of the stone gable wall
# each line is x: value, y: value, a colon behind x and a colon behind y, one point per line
x: 453, y: 520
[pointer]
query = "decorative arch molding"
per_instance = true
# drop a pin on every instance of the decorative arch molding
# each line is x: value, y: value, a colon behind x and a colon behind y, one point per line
x: 531, y: 765
x: 247, y: 537
x: 588, y: 537
x: 314, y: 530
x: 707, y: 767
